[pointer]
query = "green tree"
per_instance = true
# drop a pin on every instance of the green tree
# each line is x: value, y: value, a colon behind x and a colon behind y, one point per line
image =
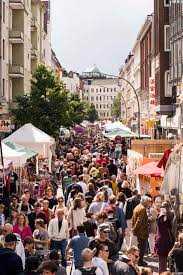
x: 92, y: 114
x: 49, y: 105
x: 77, y: 110
x: 116, y: 108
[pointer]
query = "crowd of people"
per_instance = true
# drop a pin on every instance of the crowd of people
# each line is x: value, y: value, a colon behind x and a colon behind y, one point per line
x: 87, y: 218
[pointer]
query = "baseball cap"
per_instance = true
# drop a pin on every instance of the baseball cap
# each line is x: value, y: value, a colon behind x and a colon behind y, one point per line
x: 104, y: 227
x: 10, y: 238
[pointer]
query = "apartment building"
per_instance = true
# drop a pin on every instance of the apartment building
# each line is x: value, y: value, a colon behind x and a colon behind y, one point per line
x: 99, y: 90
x: 25, y: 42
x: 55, y: 65
x: 137, y: 70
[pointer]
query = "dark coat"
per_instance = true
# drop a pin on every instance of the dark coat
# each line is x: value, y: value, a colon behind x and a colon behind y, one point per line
x: 164, y: 239
x: 10, y: 262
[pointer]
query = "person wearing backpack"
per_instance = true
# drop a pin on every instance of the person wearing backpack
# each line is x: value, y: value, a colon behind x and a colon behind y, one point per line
x: 88, y: 267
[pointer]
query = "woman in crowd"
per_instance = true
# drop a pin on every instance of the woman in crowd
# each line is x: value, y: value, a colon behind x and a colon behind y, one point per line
x: 22, y: 228
x: 76, y: 215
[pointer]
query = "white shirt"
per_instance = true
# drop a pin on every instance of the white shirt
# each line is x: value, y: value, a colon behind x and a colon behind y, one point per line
x: 53, y: 230
x: 83, y: 186
x: 99, y: 262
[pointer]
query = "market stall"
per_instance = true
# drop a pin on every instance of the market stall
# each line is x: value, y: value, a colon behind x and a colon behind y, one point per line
x: 150, y: 178
x: 35, y: 139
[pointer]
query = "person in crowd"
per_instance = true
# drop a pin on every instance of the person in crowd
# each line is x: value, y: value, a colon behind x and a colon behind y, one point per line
x: 76, y: 216
x: 50, y: 197
x: 102, y: 237
x: 24, y: 205
x: 10, y: 262
x: 77, y: 244
x: 2, y: 215
x: 140, y: 226
x: 45, y: 213
x: 58, y: 232
x: 176, y: 254
x: 88, y: 266
x: 48, y: 268
x: 21, y: 227
x: 90, y: 225
x: 164, y: 239
x: 127, y: 263
x: 54, y: 257
x: 29, y: 247
x: 91, y: 191
x: 112, y: 168
x: 40, y: 235
x: 13, y: 216
x: 145, y: 271
x: 8, y: 229
x: 152, y: 218
x: 82, y: 184
x: 32, y: 265
x: 126, y: 189
x: 60, y: 205
x: 98, y: 204
x: 100, y: 258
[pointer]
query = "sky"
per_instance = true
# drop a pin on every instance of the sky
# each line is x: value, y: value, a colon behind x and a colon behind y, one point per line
x: 101, y: 32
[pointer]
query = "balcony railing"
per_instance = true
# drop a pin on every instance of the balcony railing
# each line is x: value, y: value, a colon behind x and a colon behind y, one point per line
x: 16, y: 36
x: 16, y: 71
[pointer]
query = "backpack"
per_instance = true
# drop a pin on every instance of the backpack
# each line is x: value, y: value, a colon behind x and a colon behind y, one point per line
x: 88, y: 271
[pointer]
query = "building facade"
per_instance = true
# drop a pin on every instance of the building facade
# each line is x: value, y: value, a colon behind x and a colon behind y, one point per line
x: 99, y: 90
x: 71, y: 81
x: 23, y: 45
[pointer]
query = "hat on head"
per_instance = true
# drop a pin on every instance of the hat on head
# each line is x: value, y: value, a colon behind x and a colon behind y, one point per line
x: 104, y: 227
x: 10, y: 238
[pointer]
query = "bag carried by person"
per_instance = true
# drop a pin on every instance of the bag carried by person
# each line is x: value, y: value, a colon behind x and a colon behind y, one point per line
x: 88, y: 271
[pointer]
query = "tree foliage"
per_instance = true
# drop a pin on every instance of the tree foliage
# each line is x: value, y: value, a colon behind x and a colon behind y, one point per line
x: 92, y: 114
x: 116, y: 108
x: 49, y: 105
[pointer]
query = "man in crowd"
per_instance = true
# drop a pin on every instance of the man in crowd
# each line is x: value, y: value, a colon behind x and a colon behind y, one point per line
x: 140, y: 226
x: 59, y: 233
x: 10, y: 262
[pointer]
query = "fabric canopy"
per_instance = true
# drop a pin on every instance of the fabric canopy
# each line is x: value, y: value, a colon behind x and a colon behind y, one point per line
x: 149, y: 169
x: 116, y: 126
x: 16, y: 154
x: 33, y: 138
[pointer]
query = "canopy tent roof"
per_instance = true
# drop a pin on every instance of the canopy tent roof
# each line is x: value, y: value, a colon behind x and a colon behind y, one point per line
x: 116, y: 126
x: 149, y: 169
x: 28, y: 134
x: 121, y: 133
x: 33, y: 138
x: 18, y: 155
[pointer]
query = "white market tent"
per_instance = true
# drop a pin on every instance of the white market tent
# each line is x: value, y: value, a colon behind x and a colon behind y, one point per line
x: 35, y: 139
x: 11, y: 155
x: 32, y: 137
x: 114, y: 129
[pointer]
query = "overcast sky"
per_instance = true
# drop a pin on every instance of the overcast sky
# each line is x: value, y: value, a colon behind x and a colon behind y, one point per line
x: 102, y: 32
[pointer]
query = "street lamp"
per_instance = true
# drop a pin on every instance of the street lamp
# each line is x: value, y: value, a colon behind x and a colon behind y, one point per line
x: 135, y: 93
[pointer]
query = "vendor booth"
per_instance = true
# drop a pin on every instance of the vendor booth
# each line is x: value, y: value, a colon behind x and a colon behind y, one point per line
x: 150, y: 178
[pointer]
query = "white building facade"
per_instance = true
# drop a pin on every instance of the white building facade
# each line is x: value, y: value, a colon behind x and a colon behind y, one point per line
x: 100, y: 91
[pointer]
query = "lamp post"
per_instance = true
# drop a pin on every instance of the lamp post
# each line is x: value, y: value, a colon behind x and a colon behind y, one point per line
x: 135, y: 93
x: 125, y: 107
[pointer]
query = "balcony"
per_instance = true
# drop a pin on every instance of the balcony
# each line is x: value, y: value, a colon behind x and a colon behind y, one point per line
x: 34, y: 53
x: 16, y: 37
x: 34, y: 24
x: 17, y: 4
x: 16, y: 71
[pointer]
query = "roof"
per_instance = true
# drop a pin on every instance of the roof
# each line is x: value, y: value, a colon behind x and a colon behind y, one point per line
x: 94, y: 69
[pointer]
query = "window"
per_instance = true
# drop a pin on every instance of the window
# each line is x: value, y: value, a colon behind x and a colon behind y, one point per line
x: 3, y: 92
x: 167, y: 38
x: 96, y: 90
x: 104, y: 106
x: 168, y: 92
x: 100, y: 98
x: 114, y: 89
x: 166, y: 3
x: 100, y: 106
x: 3, y: 49
x: 111, y: 89
x: 97, y: 106
x: 4, y: 10
x: 96, y: 98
